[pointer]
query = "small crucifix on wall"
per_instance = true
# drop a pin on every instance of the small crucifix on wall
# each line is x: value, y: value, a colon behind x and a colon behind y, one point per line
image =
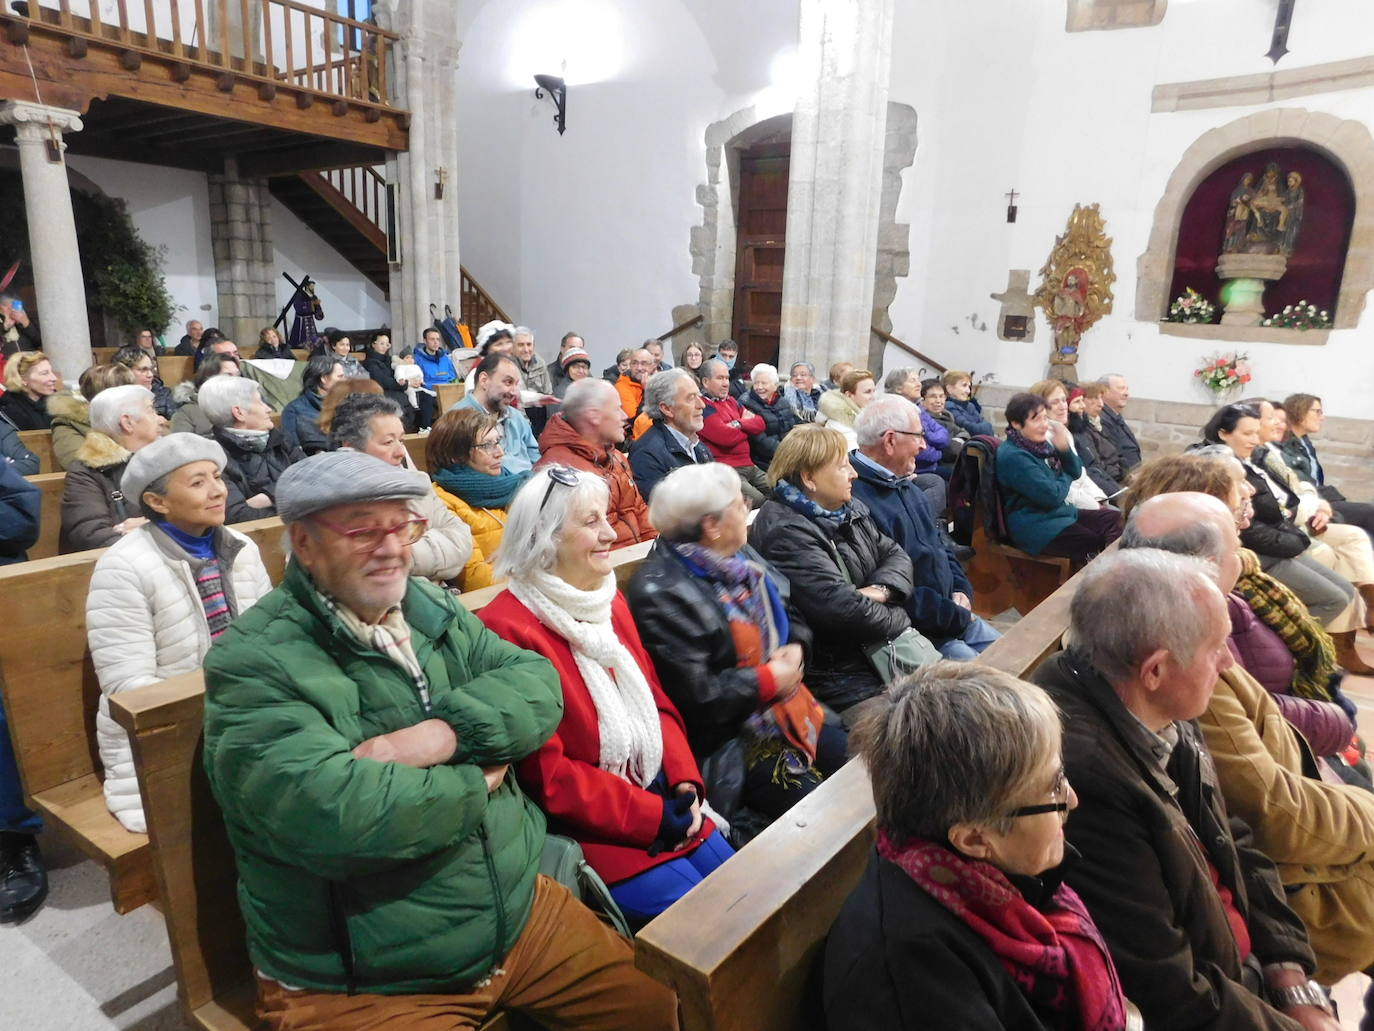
x: 1011, y: 205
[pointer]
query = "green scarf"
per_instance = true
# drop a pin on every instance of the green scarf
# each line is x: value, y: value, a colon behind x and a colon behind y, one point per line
x: 1278, y: 608
x: 480, y: 489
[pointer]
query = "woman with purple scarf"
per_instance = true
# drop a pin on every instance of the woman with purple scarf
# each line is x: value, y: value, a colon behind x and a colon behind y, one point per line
x: 1035, y: 469
x: 962, y: 919
x: 730, y: 651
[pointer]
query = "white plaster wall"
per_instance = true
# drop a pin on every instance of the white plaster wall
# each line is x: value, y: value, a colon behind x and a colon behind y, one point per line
x: 1005, y: 97
x: 590, y: 231
x: 170, y: 207
x: 350, y: 299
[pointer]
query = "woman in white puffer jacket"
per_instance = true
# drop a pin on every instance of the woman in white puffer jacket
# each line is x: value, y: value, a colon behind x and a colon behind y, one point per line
x: 160, y: 596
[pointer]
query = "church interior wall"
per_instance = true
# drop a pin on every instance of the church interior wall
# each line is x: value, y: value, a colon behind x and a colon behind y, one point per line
x: 1008, y: 99
x: 350, y: 300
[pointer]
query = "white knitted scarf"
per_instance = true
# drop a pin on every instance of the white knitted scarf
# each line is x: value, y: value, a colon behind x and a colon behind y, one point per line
x: 627, y: 716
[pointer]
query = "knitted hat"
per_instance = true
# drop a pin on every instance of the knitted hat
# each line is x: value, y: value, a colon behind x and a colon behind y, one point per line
x: 490, y: 329
x: 575, y: 354
x: 1075, y: 393
x: 340, y: 478
x: 165, y: 455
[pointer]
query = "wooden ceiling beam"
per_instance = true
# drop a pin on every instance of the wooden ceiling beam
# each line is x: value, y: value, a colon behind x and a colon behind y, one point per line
x: 312, y: 157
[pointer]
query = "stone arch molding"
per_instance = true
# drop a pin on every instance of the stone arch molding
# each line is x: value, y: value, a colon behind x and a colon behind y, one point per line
x: 1346, y: 142
x: 713, y: 242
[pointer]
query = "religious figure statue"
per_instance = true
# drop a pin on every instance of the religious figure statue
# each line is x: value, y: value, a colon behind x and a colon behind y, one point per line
x: 1076, y: 286
x: 307, y: 308
x: 1264, y: 219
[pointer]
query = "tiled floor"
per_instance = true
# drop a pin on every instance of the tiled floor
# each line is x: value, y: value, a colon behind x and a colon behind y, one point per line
x: 78, y: 966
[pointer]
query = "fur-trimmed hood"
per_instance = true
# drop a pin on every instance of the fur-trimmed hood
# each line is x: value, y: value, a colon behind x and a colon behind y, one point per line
x: 184, y: 392
x: 100, y: 451
x: 70, y: 409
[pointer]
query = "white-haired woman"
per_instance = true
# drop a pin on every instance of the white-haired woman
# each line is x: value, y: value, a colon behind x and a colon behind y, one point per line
x: 729, y: 648
x: 95, y: 511
x: 618, y: 774
x: 255, y: 451
x: 962, y: 919
x: 164, y: 592
x: 765, y: 396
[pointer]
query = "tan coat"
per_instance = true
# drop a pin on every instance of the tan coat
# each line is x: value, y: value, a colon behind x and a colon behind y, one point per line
x: 1321, y: 836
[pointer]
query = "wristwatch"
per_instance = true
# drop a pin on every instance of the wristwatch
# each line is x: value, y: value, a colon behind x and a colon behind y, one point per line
x: 1307, y: 994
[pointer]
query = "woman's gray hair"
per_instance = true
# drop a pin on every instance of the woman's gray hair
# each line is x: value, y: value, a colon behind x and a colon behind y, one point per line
x: 892, y: 412
x: 585, y: 394
x: 763, y: 371
x: 806, y: 365
x: 1130, y: 604
x: 109, y: 406
x: 686, y: 496
x: 661, y: 390
x: 895, y: 379
x: 220, y: 395
x: 352, y: 423
x: 953, y: 743
x: 534, y: 527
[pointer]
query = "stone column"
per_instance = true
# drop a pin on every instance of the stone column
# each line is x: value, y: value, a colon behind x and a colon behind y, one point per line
x: 241, y: 239
x: 835, y: 190
x: 424, y: 79
x: 52, y: 233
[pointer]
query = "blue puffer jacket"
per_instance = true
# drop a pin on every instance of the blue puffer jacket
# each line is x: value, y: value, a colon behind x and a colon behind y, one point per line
x: 937, y: 439
x: 438, y: 368
x: 899, y: 508
x: 969, y: 415
x: 20, y: 504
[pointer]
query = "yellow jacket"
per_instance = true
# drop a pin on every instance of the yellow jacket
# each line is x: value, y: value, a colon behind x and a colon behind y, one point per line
x: 487, y: 525
x: 1320, y: 835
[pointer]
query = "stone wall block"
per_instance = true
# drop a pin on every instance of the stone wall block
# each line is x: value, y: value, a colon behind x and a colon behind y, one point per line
x: 1179, y: 413
x: 1347, y: 431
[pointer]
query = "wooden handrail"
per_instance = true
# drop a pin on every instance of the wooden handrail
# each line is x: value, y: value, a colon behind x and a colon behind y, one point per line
x: 682, y: 328
x: 476, y: 304
x: 888, y: 338
x: 237, y: 52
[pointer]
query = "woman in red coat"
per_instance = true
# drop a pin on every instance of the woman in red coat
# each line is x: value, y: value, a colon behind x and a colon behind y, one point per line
x: 618, y: 775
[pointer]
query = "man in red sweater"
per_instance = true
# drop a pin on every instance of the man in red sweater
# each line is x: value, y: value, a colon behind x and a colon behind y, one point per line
x: 726, y: 428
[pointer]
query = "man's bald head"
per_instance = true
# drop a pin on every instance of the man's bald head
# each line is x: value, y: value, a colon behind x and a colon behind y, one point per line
x: 1188, y: 523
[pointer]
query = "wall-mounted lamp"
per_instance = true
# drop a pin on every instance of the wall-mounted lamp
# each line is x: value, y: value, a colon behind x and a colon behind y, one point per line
x: 440, y: 177
x: 557, y: 90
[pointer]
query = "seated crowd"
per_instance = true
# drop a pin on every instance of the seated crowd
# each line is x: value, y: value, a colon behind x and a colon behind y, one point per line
x: 1167, y: 829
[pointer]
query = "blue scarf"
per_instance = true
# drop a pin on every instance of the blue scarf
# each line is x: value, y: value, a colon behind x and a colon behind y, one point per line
x: 482, y: 490
x: 202, y: 547
x: 742, y: 587
x: 795, y: 499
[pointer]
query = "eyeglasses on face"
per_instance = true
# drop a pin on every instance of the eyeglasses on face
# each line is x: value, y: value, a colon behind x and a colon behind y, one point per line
x: 1059, y: 791
x: 366, y: 539
x: 492, y: 446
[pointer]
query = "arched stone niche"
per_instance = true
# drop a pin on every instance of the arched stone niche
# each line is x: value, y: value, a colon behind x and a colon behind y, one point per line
x: 1348, y: 144
x: 713, y: 242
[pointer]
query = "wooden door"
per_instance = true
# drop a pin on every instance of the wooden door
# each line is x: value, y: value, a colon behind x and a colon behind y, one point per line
x: 759, y: 246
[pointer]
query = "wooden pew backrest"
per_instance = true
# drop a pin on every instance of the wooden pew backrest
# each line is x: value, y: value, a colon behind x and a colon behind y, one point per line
x: 50, y: 520
x: 40, y: 443
x: 449, y: 394
x: 740, y: 947
x: 175, y: 368
x: 415, y: 447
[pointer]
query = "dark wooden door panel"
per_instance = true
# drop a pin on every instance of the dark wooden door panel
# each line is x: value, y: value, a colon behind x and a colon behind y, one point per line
x: 760, y: 244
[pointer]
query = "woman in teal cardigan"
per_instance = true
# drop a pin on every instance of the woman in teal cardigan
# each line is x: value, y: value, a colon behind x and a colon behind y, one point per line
x: 1035, y: 468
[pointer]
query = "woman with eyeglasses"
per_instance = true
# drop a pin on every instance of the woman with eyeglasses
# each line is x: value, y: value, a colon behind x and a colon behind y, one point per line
x: 163, y: 592
x: 962, y: 919
x: 1329, y: 566
x: 464, y: 452
x: 618, y: 775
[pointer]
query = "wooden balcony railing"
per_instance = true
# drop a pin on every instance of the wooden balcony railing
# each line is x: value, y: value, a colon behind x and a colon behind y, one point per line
x: 269, y: 41
x: 363, y: 188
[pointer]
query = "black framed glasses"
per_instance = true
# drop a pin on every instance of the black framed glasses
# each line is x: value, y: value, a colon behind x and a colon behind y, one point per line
x: 557, y: 474
x: 1059, y: 791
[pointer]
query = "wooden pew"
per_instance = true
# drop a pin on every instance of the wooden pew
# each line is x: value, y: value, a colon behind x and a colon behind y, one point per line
x: 449, y: 394
x: 415, y: 445
x: 40, y: 443
x: 50, y: 520
x: 740, y: 948
x: 192, y: 860
x: 50, y: 693
x: 175, y: 368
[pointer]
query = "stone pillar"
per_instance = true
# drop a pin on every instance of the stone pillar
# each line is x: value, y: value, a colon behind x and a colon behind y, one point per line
x: 836, y: 181
x: 241, y: 239
x: 424, y: 79
x: 52, y: 233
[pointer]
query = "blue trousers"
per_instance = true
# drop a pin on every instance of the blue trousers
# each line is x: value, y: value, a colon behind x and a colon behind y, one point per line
x: 14, y: 815
x: 644, y: 896
x: 976, y: 637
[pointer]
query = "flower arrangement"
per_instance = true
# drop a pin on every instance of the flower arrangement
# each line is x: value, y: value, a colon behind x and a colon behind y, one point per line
x: 1222, y: 373
x: 1300, y: 316
x: 1191, y: 306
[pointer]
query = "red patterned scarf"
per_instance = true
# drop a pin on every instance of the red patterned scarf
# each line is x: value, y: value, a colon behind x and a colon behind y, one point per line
x: 1057, y: 957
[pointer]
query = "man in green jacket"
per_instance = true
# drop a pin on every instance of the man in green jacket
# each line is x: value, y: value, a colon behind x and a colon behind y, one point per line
x: 359, y: 729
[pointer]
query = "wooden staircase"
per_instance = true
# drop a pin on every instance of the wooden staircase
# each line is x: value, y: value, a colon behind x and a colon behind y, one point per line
x: 347, y: 208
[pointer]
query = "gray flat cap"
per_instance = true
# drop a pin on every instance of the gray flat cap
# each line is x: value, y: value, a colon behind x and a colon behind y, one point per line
x: 163, y: 456
x: 341, y: 478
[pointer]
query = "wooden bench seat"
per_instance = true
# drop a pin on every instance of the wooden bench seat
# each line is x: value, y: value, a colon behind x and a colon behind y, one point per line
x: 50, y: 518
x: 741, y: 947
x: 40, y: 443
x: 50, y: 693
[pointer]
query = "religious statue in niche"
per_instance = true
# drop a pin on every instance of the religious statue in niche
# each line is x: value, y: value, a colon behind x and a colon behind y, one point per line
x: 1076, y: 286
x: 1264, y: 219
x: 1262, y: 225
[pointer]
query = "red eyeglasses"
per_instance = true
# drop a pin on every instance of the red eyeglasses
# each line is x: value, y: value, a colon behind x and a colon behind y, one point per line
x: 367, y: 539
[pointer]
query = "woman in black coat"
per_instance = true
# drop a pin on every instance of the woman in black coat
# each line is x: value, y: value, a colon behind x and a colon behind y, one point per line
x: 766, y: 398
x: 849, y: 581
x: 729, y: 648
x: 377, y: 364
x: 962, y: 919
